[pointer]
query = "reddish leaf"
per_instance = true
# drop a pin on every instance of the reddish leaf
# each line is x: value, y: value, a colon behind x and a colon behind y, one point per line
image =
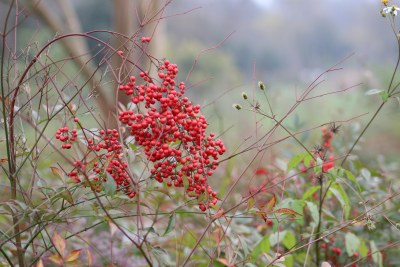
x: 219, y: 214
x: 263, y: 215
x: 57, y: 172
x: 56, y: 259
x: 73, y: 256
x: 59, y: 243
x: 287, y: 211
x: 39, y: 263
x: 89, y: 257
x: 223, y: 261
x: 271, y: 204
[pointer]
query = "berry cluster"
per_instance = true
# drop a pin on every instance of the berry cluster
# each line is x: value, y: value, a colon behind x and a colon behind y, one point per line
x: 333, y: 253
x: 66, y: 136
x: 109, y: 155
x: 172, y: 134
x: 170, y: 130
x: 322, y: 151
x: 327, y: 135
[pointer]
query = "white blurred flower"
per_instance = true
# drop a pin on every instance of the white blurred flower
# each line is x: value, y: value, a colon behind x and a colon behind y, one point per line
x: 392, y: 10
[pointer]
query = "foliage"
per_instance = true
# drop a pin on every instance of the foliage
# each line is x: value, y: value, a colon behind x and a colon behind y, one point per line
x: 150, y: 185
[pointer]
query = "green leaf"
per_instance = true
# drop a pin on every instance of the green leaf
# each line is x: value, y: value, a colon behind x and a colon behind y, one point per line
x: 352, y: 243
x: 341, y: 195
x: 307, y: 160
x: 351, y: 177
x: 66, y: 195
x: 314, y: 211
x: 133, y: 147
x: 384, y: 95
x: 376, y: 255
x: 329, y: 215
x: 295, y: 161
x: 373, y: 91
x: 171, y: 224
x: 363, y: 249
x: 310, y: 192
x: 318, y: 166
x: 277, y: 237
x: 290, y: 240
x: 250, y: 203
x: 110, y: 187
x: 244, y: 245
x: 289, y: 261
x: 263, y: 246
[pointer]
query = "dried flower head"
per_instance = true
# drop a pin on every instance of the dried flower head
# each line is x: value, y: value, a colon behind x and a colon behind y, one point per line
x: 261, y: 85
x: 237, y: 106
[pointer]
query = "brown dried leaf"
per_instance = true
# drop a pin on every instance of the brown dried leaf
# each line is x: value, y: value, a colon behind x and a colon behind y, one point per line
x: 89, y: 257
x: 219, y: 214
x: 60, y: 243
x: 73, y: 256
x: 287, y: 212
x: 39, y: 263
x: 56, y: 259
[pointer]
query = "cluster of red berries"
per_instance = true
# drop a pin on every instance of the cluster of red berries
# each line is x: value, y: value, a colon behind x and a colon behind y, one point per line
x: 327, y: 135
x: 66, y: 136
x: 172, y: 133
x: 332, y: 254
x: 109, y: 153
x: 323, y: 152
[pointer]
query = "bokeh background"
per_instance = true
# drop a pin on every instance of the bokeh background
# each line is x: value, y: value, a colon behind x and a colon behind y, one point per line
x: 286, y: 44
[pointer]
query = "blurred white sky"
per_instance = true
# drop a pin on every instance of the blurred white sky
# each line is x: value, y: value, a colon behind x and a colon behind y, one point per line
x: 264, y: 3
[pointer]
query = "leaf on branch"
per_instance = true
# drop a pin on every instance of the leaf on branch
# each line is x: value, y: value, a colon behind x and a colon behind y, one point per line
x: 66, y: 195
x: 296, y: 160
x: 110, y: 186
x: 287, y: 211
x: 39, y: 263
x: 373, y: 92
x: 57, y: 172
x: 56, y: 259
x: 250, y: 203
x: 218, y: 214
x: 73, y: 256
x: 171, y: 224
x: 59, y: 243
x: 113, y: 228
x: 263, y: 246
x: 352, y: 243
x: 271, y: 204
x: 314, y: 211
